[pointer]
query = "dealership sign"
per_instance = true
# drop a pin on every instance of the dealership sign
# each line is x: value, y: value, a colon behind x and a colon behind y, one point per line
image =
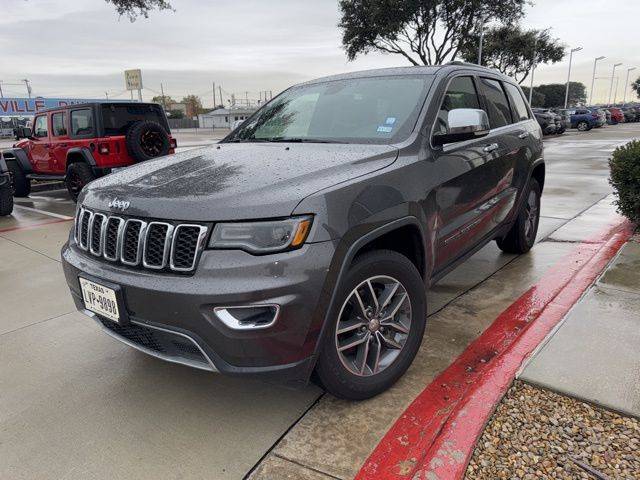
x: 29, y: 106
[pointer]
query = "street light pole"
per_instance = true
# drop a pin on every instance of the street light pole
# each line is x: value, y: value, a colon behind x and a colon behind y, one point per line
x: 626, y: 84
x: 615, y: 94
x: 566, y: 94
x: 533, y: 68
x: 593, y: 79
x: 613, y: 74
x: 481, y: 42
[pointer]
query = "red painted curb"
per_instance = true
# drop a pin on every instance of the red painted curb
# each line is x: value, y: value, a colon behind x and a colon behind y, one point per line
x: 34, y: 225
x: 435, y: 436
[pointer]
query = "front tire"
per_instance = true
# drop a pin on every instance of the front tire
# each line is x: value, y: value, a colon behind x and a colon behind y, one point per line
x: 78, y: 175
x: 523, y: 233
x: 21, y: 184
x: 6, y: 200
x: 583, y: 126
x: 377, y: 329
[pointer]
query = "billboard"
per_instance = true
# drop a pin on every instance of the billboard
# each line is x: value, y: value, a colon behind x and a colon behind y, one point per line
x: 133, y: 79
x: 22, y: 107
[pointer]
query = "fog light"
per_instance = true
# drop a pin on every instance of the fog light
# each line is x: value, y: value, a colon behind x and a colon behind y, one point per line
x: 249, y: 317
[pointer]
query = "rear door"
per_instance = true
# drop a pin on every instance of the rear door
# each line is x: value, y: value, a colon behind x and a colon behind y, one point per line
x: 472, y: 175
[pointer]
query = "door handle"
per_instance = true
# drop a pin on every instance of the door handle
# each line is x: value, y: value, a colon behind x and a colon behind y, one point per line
x: 490, y: 148
x: 523, y: 135
x: 63, y: 145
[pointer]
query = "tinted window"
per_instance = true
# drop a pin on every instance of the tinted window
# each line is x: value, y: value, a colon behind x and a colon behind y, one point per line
x: 81, y: 122
x: 358, y: 110
x: 520, y: 110
x: 58, y: 124
x: 461, y: 93
x: 118, y: 118
x: 40, y: 127
x: 497, y: 103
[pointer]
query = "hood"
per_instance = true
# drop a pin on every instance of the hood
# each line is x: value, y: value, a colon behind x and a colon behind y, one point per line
x: 232, y: 181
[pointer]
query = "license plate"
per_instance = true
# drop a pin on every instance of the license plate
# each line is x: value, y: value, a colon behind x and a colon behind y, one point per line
x: 100, y: 299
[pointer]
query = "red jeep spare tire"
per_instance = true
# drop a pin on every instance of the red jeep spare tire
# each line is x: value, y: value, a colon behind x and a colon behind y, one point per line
x: 146, y: 140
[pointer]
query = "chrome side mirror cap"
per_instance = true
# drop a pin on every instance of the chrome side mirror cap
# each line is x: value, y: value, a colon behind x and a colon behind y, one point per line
x: 463, y: 124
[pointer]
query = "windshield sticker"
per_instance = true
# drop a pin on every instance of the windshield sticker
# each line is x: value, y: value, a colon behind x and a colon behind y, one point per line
x: 384, y: 129
x: 390, y: 121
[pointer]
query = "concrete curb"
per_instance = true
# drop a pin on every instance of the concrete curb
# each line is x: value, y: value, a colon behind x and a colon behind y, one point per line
x: 436, y: 435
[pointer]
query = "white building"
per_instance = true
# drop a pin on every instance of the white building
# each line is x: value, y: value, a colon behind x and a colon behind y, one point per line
x: 224, y: 117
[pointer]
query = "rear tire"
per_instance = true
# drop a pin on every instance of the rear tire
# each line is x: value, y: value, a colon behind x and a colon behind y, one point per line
x: 6, y: 200
x: 389, y: 335
x: 78, y: 175
x: 522, y: 235
x: 21, y: 184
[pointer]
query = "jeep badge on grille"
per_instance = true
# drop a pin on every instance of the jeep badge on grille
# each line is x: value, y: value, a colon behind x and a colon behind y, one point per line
x: 121, y: 205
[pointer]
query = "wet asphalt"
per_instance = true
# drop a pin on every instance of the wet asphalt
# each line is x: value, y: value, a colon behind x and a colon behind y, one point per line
x: 74, y: 403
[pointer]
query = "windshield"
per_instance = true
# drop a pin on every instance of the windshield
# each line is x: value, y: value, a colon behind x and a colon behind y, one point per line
x: 364, y: 110
x: 118, y: 118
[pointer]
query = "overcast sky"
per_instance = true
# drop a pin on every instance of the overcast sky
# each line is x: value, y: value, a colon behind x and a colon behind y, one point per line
x: 73, y: 48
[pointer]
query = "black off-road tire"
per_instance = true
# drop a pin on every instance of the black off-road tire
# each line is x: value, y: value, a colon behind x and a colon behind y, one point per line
x: 331, y: 373
x: 6, y: 200
x: 522, y: 235
x: 146, y: 140
x: 21, y: 184
x: 78, y: 175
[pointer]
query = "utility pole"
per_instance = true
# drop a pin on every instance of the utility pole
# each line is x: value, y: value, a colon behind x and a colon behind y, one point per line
x: 106, y: 95
x: 613, y: 74
x: 26, y: 82
x: 220, y: 92
x: 626, y: 84
x: 566, y: 94
x: 164, y: 102
x: 270, y: 94
x: 246, y: 97
x: 533, y: 68
x: 593, y: 80
x: 1, y: 95
x: 213, y: 89
x: 481, y: 42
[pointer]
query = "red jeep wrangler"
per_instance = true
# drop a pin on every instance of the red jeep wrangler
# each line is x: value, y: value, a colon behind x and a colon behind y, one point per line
x: 78, y: 143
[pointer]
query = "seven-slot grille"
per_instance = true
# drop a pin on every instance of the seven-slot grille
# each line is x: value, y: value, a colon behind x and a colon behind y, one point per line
x: 134, y: 242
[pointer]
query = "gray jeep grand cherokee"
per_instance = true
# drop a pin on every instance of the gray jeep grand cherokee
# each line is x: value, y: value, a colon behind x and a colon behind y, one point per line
x: 303, y: 243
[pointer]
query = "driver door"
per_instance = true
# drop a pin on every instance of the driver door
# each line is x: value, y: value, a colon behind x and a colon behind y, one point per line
x: 468, y: 173
x: 40, y: 145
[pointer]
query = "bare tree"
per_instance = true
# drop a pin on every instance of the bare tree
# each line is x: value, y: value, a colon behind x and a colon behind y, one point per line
x: 135, y: 8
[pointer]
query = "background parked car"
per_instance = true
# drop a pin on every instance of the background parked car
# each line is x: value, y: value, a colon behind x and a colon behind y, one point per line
x: 547, y: 121
x: 583, y: 119
x: 601, y: 113
x: 630, y: 114
x: 616, y: 115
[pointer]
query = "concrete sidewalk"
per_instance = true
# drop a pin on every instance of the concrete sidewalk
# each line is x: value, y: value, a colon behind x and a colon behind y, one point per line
x: 594, y: 354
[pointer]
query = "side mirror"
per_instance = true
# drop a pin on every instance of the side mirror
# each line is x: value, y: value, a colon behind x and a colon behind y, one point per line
x: 463, y: 124
x: 23, y: 132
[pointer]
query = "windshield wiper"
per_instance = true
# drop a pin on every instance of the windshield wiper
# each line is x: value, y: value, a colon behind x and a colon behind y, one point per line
x: 301, y: 140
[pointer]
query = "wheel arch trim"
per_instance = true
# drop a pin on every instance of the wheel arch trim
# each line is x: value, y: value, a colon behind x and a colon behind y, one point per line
x: 346, y: 260
x: 20, y: 157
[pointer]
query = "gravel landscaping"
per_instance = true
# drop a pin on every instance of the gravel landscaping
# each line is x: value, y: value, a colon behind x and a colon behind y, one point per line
x: 538, y: 434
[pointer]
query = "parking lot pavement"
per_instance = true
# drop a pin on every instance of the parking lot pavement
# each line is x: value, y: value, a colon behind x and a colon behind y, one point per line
x: 76, y: 404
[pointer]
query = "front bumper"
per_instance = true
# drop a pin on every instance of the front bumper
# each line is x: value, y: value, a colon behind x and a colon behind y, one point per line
x: 163, y: 307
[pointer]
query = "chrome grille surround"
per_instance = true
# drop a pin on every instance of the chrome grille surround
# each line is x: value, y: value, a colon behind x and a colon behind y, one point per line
x: 133, y: 242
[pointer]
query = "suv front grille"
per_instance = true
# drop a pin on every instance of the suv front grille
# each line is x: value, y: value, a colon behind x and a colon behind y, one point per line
x: 135, y: 242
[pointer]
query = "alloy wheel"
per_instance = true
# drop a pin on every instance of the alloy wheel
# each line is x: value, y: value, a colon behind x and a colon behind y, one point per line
x: 531, y: 213
x: 373, y: 325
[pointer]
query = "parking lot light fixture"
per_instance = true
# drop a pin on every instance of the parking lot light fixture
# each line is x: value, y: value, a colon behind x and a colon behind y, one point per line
x: 626, y: 84
x: 566, y: 94
x: 613, y: 75
x: 593, y: 79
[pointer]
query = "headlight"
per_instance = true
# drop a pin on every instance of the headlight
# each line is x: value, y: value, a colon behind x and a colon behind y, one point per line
x: 262, y: 237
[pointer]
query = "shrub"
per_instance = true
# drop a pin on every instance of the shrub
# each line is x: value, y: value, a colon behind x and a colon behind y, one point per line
x: 625, y: 179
